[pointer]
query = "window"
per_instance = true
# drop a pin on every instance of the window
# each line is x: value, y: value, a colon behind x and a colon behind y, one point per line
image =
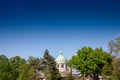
x: 62, y: 65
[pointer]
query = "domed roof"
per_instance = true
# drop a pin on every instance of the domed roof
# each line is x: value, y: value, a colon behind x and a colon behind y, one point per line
x: 61, y: 58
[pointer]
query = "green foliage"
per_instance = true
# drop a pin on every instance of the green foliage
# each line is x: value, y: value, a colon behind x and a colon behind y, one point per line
x: 89, y: 61
x: 107, y: 70
x: 15, y: 63
x: 114, y: 47
x: 16, y: 68
x: 116, y: 69
x: 5, y: 69
x: 24, y: 69
x: 47, y: 74
x: 51, y: 72
x: 29, y: 71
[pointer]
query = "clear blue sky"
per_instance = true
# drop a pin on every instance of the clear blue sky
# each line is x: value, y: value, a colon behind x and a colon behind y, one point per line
x: 28, y: 27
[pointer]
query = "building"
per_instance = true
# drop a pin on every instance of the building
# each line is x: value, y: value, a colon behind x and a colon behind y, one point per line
x: 61, y: 65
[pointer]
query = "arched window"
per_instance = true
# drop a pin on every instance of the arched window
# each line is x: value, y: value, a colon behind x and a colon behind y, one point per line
x: 62, y: 65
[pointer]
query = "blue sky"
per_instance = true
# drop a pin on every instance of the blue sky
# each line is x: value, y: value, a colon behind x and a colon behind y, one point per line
x: 28, y: 27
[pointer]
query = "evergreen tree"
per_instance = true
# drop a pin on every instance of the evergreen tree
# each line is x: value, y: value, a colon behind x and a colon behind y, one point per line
x: 51, y: 71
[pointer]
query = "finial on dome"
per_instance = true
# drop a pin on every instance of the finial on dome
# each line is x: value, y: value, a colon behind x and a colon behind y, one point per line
x: 61, y: 52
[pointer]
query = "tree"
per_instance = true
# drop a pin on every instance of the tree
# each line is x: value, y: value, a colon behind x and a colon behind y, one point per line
x: 5, y: 69
x: 107, y: 70
x: 36, y: 66
x: 51, y: 72
x: 114, y: 46
x: 36, y: 63
x: 29, y: 71
x: 90, y: 62
x: 15, y: 63
x: 115, y: 69
x: 24, y: 70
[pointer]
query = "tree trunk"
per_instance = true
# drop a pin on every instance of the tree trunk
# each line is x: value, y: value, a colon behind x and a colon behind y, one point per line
x: 95, y: 76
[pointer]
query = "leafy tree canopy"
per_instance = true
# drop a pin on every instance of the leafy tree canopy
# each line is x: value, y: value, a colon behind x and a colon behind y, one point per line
x: 89, y: 61
x: 5, y: 69
x: 15, y: 63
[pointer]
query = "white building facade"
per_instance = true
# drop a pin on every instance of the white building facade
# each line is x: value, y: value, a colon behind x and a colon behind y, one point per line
x: 61, y: 65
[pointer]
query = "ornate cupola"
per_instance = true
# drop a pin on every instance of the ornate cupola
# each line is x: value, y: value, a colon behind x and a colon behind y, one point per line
x: 61, y: 64
x: 61, y: 58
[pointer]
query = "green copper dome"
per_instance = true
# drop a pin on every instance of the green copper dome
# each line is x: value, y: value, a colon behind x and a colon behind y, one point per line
x: 60, y: 58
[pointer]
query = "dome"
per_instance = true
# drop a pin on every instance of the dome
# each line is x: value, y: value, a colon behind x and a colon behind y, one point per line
x: 61, y: 58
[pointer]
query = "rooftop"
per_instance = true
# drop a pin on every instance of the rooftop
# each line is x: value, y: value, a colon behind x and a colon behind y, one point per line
x: 61, y: 58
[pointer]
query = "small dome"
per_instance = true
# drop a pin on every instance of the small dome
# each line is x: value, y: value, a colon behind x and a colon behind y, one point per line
x: 61, y: 58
